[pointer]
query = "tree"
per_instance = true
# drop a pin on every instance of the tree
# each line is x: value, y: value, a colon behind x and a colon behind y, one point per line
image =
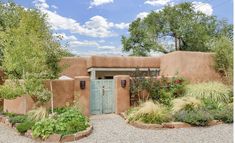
x: 28, y: 45
x: 139, y: 42
x: 190, y: 30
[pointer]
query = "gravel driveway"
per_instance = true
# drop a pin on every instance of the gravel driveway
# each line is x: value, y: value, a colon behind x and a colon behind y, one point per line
x: 113, y: 129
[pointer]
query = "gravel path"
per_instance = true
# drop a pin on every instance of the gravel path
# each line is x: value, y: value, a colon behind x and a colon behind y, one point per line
x: 113, y: 129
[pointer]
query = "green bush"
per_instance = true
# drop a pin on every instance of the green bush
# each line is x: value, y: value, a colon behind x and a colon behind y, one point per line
x: 198, y: 117
x: 72, y: 119
x: 11, y: 91
x: 149, y: 112
x: 18, y: 119
x: 23, y: 127
x: 68, y: 121
x: 44, y: 128
x: 225, y: 114
x: 213, y: 91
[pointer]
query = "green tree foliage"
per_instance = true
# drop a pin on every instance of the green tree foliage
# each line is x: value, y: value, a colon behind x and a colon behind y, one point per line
x: 223, y: 48
x: 190, y: 30
x: 27, y: 44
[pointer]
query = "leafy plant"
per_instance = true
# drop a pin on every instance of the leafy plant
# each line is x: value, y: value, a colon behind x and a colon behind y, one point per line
x: 44, y: 128
x: 214, y: 91
x: 18, y: 119
x: 38, y: 114
x: 149, y: 112
x: 66, y: 121
x: 198, y: 117
x: 24, y: 126
x: 71, y: 119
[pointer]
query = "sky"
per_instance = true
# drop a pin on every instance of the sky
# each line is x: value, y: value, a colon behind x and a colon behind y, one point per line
x: 95, y: 27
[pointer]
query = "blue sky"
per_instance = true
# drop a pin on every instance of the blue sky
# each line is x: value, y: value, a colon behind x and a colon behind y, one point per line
x: 95, y: 26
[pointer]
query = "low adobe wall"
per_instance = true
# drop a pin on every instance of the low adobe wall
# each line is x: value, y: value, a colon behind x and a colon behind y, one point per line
x: 63, y: 93
x: 195, y: 66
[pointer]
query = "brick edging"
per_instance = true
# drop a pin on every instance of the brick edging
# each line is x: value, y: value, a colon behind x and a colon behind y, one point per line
x: 168, y: 125
x: 53, y: 137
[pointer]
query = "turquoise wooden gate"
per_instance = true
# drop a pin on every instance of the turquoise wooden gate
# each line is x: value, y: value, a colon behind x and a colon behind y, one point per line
x: 102, y: 97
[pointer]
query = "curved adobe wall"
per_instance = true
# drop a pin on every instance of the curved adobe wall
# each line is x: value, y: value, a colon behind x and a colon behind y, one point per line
x: 195, y: 66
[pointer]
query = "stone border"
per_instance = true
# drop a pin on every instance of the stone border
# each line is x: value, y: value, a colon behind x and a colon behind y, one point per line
x: 53, y: 137
x: 169, y: 125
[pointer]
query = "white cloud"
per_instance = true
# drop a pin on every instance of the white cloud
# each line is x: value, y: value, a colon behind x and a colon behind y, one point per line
x: 142, y: 15
x: 41, y: 4
x: 122, y: 25
x: 99, y: 2
x: 54, y: 6
x: 65, y: 37
x: 157, y: 2
x: 96, y: 26
x: 205, y: 8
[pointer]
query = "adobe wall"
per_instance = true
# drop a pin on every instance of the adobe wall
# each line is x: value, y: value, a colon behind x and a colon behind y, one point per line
x: 63, y: 94
x: 123, y: 62
x: 74, y: 66
x: 122, y: 94
x: 195, y: 66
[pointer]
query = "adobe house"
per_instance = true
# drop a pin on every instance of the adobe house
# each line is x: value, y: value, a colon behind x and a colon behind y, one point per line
x: 101, y: 83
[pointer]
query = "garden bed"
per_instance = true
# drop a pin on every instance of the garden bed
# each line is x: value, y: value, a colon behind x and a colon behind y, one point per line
x: 168, y: 125
x: 52, y: 138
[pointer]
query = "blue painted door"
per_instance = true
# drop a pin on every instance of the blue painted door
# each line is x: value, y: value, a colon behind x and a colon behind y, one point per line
x: 102, y: 97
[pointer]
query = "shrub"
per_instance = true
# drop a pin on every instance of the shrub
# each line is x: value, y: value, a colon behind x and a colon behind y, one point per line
x: 70, y: 121
x: 198, y: 117
x: 11, y: 91
x: 38, y: 114
x: 185, y: 103
x: 18, y: 119
x: 225, y: 114
x: 44, y: 128
x: 214, y: 91
x: 23, y: 127
x: 149, y: 112
x: 35, y: 88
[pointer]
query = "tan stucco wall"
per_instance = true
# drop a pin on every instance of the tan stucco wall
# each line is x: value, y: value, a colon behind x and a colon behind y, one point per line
x: 122, y: 94
x: 20, y: 105
x: 74, y: 66
x: 63, y: 91
x: 123, y: 62
x: 195, y: 66
x: 83, y: 95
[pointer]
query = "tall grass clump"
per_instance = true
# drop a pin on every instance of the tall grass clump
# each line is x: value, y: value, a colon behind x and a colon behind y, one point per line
x: 149, y: 112
x: 213, y: 91
x: 185, y: 103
